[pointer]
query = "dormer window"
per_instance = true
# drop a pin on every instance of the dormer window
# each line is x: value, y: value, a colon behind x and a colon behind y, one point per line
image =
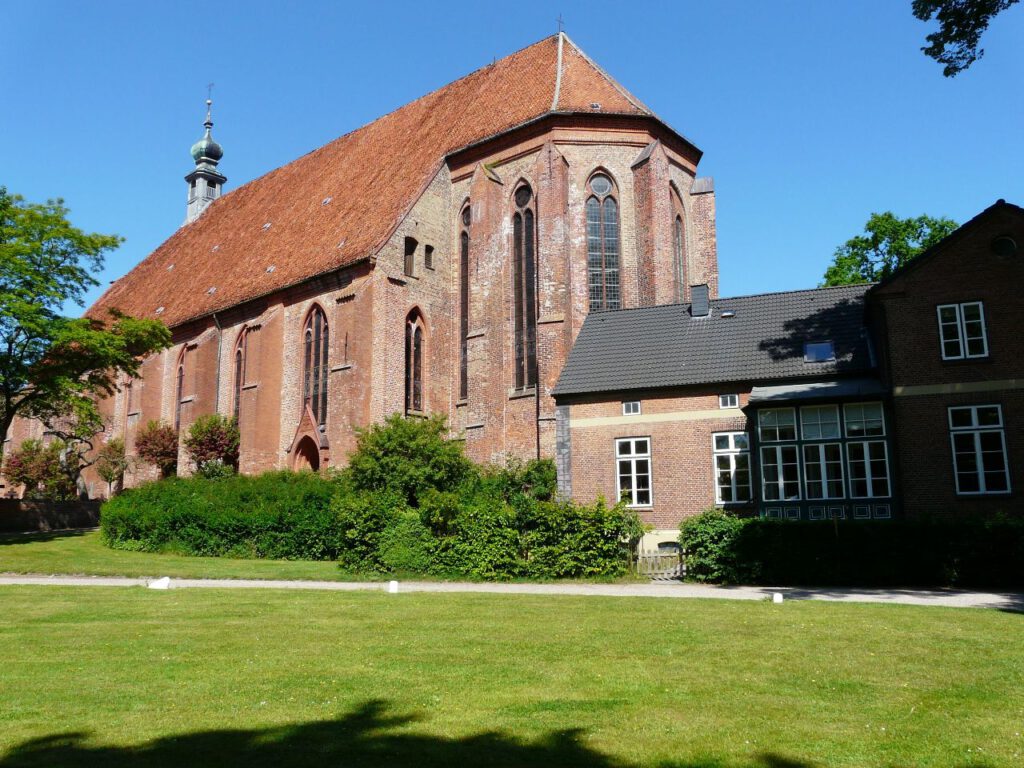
x: 819, y: 352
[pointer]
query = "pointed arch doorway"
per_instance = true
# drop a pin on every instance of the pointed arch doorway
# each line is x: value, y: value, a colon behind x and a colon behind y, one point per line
x: 307, y: 455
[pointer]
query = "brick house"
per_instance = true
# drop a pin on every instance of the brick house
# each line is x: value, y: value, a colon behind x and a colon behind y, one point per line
x: 440, y: 259
x: 863, y: 402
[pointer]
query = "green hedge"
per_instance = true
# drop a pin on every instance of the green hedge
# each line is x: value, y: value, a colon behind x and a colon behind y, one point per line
x: 953, y: 552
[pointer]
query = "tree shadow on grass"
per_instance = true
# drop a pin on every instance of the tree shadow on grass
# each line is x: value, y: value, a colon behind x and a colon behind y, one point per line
x: 33, y: 537
x: 365, y: 738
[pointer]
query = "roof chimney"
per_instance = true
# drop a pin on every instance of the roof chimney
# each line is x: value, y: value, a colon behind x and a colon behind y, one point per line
x: 699, y: 303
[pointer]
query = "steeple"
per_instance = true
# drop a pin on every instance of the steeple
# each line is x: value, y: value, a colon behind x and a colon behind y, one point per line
x: 205, y: 182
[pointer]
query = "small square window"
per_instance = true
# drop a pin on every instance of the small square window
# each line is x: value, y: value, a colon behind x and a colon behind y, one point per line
x: 631, y: 408
x: 819, y: 352
x: 728, y: 401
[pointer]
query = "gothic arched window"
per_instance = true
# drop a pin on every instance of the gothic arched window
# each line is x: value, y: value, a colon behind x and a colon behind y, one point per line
x: 679, y: 242
x: 179, y: 390
x: 464, y: 304
x: 602, y: 244
x: 414, y: 342
x: 524, y: 288
x: 240, y: 354
x: 315, y: 367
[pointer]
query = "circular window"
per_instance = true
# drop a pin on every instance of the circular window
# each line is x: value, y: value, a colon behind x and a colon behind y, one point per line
x: 1005, y: 247
x: 601, y: 185
x: 465, y: 216
x: 523, y: 195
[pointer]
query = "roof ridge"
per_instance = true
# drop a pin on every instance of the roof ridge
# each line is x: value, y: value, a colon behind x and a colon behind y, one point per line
x: 611, y: 80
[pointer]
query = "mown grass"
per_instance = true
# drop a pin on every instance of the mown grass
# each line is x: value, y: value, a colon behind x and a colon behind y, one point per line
x: 131, y: 677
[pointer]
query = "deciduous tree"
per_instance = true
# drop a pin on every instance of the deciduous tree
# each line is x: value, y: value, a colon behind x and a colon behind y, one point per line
x: 961, y: 24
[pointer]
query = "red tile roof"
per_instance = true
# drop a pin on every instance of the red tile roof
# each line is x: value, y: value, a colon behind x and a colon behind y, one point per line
x: 372, y: 176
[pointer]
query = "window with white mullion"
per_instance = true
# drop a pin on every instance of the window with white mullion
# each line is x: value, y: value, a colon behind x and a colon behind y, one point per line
x: 776, y: 425
x: 979, y: 450
x: 868, y: 468
x: 820, y: 422
x: 732, y: 467
x: 780, y: 473
x: 633, y: 471
x: 823, y: 471
x: 962, y: 331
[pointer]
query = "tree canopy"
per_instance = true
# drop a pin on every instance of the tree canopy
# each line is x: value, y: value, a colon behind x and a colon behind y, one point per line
x: 52, y: 366
x: 961, y: 24
x: 887, y: 244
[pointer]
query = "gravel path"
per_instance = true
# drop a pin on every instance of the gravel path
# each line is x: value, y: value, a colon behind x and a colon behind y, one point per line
x: 951, y: 598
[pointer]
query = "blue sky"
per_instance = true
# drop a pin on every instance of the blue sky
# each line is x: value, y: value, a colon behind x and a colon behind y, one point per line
x: 811, y: 115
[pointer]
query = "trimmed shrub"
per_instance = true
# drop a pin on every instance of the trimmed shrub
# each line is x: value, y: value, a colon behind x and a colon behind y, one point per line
x: 157, y: 444
x: 212, y: 444
x: 953, y: 552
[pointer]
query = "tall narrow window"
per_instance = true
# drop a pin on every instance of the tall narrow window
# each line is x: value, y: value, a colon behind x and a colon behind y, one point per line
x: 414, y: 363
x: 179, y: 391
x: 979, y: 449
x: 524, y: 288
x: 602, y: 245
x: 732, y: 467
x: 633, y: 459
x: 316, y: 365
x: 464, y: 304
x: 240, y: 349
x: 410, y: 256
x: 678, y: 242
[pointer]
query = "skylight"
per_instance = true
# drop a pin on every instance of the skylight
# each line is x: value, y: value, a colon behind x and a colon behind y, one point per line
x: 819, y: 352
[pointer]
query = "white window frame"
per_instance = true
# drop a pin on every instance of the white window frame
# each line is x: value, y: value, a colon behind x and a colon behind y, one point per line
x: 865, y: 436
x: 780, y: 484
x: 760, y: 425
x: 807, y: 410
x: 869, y: 478
x: 976, y: 430
x: 627, y: 407
x: 633, y: 457
x: 819, y: 461
x: 728, y: 401
x: 811, y: 344
x: 732, y: 452
x: 960, y: 328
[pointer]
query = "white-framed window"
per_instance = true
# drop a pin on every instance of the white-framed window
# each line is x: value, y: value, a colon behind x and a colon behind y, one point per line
x: 728, y: 401
x: 820, y: 422
x: 630, y: 407
x: 868, y: 468
x: 819, y: 352
x: 962, y: 332
x: 633, y: 470
x: 780, y: 473
x: 732, y: 467
x: 776, y: 425
x: 864, y: 420
x: 979, y: 449
x: 823, y: 471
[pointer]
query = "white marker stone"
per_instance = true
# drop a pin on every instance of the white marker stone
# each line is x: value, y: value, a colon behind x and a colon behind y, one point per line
x: 164, y: 583
x: 776, y: 597
x: 393, y: 587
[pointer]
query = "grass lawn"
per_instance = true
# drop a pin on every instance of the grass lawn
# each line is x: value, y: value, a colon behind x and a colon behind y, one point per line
x: 131, y: 677
x: 83, y: 553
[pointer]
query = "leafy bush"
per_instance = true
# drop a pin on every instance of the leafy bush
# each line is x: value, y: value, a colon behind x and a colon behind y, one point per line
x: 938, y: 552
x: 212, y: 444
x: 157, y: 444
x: 41, y: 470
x: 408, y: 457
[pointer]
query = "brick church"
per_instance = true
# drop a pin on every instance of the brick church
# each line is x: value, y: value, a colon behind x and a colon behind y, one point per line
x: 531, y: 252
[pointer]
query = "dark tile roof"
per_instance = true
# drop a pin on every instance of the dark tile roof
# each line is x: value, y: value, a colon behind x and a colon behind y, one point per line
x: 339, y: 204
x: 664, y: 346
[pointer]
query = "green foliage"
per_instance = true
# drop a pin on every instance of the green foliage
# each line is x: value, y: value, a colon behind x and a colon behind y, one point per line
x: 157, y: 444
x: 212, y: 444
x: 48, y: 362
x: 709, y: 541
x: 111, y: 462
x: 41, y: 470
x: 407, y: 457
x: 961, y: 24
x: 888, y: 243
x: 949, y: 552
x: 279, y: 515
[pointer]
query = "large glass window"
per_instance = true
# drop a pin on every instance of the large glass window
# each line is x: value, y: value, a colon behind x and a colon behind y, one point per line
x: 962, y: 331
x: 823, y: 471
x: 240, y: 350
x: 732, y: 467
x: 602, y: 244
x: 414, y: 363
x: 864, y: 420
x: 315, y: 364
x: 868, y: 466
x: 776, y: 425
x: 820, y: 422
x: 979, y: 449
x: 780, y: 473
x: 524, y: 288
x: 179, y: 391
x: 464, y: 304
x: 633, y: 470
